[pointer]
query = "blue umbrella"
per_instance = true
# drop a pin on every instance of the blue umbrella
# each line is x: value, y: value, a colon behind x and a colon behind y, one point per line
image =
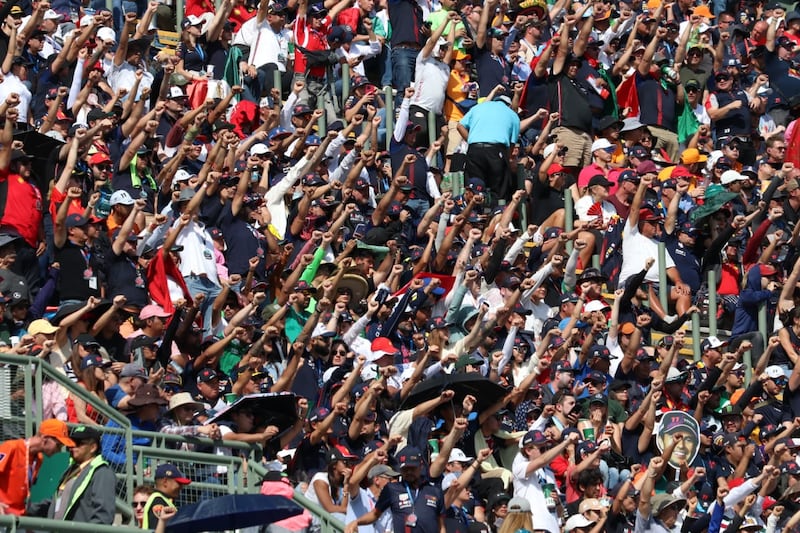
x: 232, y: 511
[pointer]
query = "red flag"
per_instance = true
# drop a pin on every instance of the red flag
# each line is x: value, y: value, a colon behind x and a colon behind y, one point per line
x: 628, y: 96
x: 793, y: 146
x: 158, y: 269
x: 445, y: 282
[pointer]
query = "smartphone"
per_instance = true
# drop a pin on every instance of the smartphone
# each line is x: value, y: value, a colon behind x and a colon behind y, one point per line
x: 360, y: 231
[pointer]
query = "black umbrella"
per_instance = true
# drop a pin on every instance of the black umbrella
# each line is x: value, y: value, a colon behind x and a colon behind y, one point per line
x: 485, y: 392
x: 232, y: 511
x: 270, y: 409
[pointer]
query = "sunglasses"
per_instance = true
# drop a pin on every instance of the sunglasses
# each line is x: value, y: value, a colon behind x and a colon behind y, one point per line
x: 103, y: 166
x: 139, y: 504
x: 172, y: 389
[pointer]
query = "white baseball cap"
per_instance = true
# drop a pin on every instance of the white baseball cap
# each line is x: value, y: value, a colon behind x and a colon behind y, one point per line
x: 458, y: 455
x: 106, y: 34
x: 729, y: 176
x: 601, y: 144
x: 576, y: 521
x: 259, y: 149
x: 51, y: 15
x: 181, y: 175
x: 176, y: 92
x: 121, y: 198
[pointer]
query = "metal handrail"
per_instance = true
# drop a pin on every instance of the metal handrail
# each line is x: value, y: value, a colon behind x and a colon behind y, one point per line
x: 328, y: 523
x: 11, y: 524
x: 33, y: 383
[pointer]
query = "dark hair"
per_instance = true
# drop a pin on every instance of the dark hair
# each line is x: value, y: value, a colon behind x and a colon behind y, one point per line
x: 560, y: 395
x: 590, y: 476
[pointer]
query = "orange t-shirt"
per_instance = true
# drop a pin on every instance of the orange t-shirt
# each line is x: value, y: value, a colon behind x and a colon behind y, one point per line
x: 17, y: 474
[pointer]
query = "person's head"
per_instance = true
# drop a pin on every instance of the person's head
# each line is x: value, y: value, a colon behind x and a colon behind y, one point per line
x: 603, y: 151
x: 590, y: 482
x: 183, y: 408
x: 317, y: 14
x: 731, y: 417
x: 381, y: 475
x: 87, y: 443
x: 410, y: 461
x: 121, y: 205
x: 154, y: 320
x: 132, y: 377
x: 498, y: 37
x: 42, y: 331
x: 276, y: 15
x: 14, y: 18
x: 711, y: 350
x: 563, y: 375
x: 775, y: 380
x: 170, y: 480
x: 141, y: 493
x: 208, y: 384
x: 564, y: 402
x: 649, y: 222
x: 52, y: 436
x: 776, y: 146
x: 666, y: 508
x: 533, y: 444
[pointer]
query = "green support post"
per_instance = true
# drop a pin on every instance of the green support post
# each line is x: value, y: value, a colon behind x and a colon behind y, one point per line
x: 569, y: 223
x: 696, y: 336
x: 277, y: 82
x: 662, y: 277
x: 432, y: 133
x: 345, y: 86
x: 389, y: 102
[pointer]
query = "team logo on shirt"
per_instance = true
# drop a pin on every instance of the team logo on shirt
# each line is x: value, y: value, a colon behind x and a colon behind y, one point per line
x: 431, y: 501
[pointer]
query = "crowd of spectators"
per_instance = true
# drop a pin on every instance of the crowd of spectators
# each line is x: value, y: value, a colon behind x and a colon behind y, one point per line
x: 182, y: 228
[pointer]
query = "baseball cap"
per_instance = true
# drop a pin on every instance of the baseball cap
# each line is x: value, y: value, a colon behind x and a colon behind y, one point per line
x: 170, y: 471
x: 382, y: 471
x: 601, y: 144
x: 56, y: 429
x: 409, y: 457
x: 730, y: 176
x: 99, y: 158
x: 535, y: 437
x: 206, y: 375
x: 151, y: 310
x: 693, y: 155
x: 133, y: 370
x: 121, y: 198
x: 519, y: 505
x: 42, y: 326
x: 711, y: 342
x: 84, y: 433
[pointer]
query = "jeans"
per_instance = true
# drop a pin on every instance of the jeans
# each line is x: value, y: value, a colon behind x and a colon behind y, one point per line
x: 386, y: 67
x: 403, y: 63
x: 120, y: 7
x: 203, y: 285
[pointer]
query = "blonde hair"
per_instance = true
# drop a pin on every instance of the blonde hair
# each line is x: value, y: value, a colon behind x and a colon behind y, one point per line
x: 516, y: 521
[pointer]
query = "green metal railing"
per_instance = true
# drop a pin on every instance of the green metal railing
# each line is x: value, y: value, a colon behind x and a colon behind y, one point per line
x: 328, y: 524
x: 212, y: 475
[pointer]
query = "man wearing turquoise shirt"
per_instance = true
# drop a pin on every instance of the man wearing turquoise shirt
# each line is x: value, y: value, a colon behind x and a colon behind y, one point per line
x: 491, y: 129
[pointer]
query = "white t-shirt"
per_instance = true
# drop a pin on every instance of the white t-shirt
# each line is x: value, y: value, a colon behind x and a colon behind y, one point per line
x: 432, y: 76
x: 266, y: 46
x: 636, y: 248
x: 311, y: 494
x: 530, y: 488
x: 12, y: 84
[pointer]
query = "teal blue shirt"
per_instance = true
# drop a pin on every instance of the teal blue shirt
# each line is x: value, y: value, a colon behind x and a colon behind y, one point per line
x: 491, y: 122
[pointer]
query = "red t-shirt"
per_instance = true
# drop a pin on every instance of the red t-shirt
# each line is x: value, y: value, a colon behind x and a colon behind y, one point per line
x: 23, y: 209
x: 56, y: 197
x: 310, y: 39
